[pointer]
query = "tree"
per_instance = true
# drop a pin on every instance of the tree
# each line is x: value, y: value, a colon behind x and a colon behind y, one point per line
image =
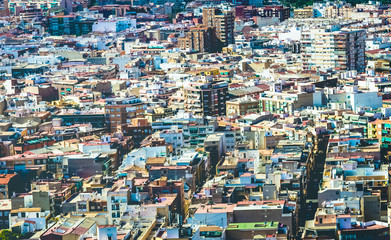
x: 8, y: 235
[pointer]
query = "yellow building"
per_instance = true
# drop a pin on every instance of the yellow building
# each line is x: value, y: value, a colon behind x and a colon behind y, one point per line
x: 306, y: 12
x: 205, y: 72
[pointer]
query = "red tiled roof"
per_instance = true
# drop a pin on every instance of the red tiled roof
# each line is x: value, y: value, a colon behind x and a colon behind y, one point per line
x: 5, y: 178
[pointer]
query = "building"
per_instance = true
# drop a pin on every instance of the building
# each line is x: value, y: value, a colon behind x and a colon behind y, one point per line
x: 215, y: 145
x: 10, y: 184
x: 4, y: 10
x: 86, y: 165
x: 245, y: 12
x: 73, y: 228
x: 117, y: 200
x: 5, y: 209
x: 339, y: 50
x: 207, y: 97
x: 97, y: 120
x: 22, y: 147
x: 273, y: 230
x: 222, y: 22
x: 36, y: 215
x: 338, y: 10
x: 242, y: 106
x: 15, y: 5
x: 283, y: 13
x: 381, y: 130
x: 352, y: 97
x: 306, y: 12
x: 69, y: 25
x: 286, y: 102
x: 199, y: 39
x: 123, y: 110
x: 111, y: 25
x: 139, y: 129
x: 65, y: 88
x: 174, y: 189
x: 24, y: 70
x: 214, y: 215
x: 373, y: 230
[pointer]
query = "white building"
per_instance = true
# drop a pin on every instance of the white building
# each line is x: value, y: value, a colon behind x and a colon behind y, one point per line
x: 112, y: 25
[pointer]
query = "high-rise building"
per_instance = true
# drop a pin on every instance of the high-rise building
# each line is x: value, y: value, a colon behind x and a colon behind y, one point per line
x: 207, y: 97
x: 340, y: 50
x: 283, y: 13
x: 69, y: 25
x: 200, y: 39
x: 223, y: 22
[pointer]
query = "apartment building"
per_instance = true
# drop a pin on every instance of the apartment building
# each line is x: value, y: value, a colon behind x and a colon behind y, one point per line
x: 242, y: 106
x: 339, y: 50
x: 117, y: 200
x: 13, y: 5
x: 285, y: 102
x: 335, y: 11
x: 380, y: 129
x: 222, y: 22
x: 306, y: 12
x: 200, y: 39
x: 69, y: 25
x: 123, y: 110
x: 283, y: 13
x: 5, y: 209
x: 206, y: 98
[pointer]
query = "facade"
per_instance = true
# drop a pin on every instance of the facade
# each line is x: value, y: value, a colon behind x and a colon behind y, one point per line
x: 223, y: 24
x: 9, y: 184
x: 15, y: 5
x: 97, y: 120
x: 69, y: 25
x: 117, y: 201
x: 366, y: 230
x: 340, y: 50
x: 139, y: 129
x: 281, y: 12
x: 242, y: 106
x: 253, y: 230
x: 123, y: 110
x: 207, y: 98
x: 284, y: 102
x: 5, y: 209
x: 36, y: 215
x: 306, y: 12
x: 86, y: 165
x: 200, y: 39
